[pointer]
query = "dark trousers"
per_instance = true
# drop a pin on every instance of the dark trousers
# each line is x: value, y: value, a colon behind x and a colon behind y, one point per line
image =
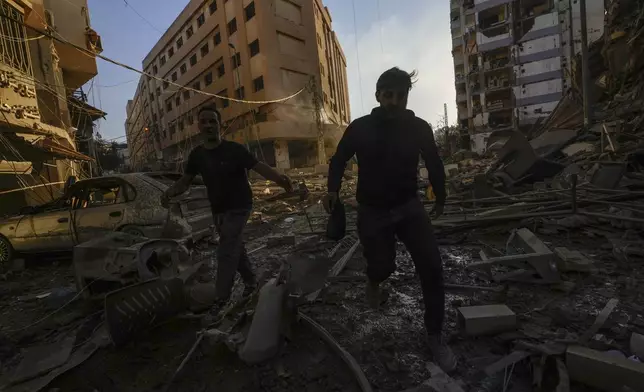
x: 231, y: 253
x: 378, y: 229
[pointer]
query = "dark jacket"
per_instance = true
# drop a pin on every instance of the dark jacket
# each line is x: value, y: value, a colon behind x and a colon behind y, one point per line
x: 388, y: 152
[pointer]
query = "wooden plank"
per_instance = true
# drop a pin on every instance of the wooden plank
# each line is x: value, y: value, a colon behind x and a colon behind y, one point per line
x: 599, y: 321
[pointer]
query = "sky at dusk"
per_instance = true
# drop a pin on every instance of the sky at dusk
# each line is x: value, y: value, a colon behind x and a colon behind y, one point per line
x: 411, y: 34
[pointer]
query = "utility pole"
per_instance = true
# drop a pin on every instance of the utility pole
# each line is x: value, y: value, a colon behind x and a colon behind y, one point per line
x: 585, y: 72
x: 317, y: 107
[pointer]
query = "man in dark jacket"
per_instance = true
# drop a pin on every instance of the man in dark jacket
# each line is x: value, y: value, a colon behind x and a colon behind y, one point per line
x: 388, y: 143
x: 223, y: 166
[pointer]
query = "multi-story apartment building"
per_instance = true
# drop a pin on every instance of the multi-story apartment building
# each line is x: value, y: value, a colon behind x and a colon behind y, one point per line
x: 38, y: 78
x: 137, y: 130
x: 253, y: 51
x: 513, y: 59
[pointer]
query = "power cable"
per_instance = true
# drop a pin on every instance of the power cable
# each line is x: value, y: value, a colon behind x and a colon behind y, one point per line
x: 355, y: 29
x: 130, y: 68
x: 128, y: 5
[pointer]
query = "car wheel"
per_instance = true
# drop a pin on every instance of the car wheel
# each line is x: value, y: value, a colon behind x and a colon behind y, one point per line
x: 6, y: 251
x: 133, y: 230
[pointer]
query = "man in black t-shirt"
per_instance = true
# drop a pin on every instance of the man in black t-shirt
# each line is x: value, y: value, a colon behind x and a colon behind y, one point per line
x: 223, y: 165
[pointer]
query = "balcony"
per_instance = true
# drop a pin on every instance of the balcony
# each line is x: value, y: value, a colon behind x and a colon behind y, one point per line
x: 455, y: 5
x: 457, y: 41
x: 458, y: 60
x: 498, y: 105
x: 461, y: 97
x: 458, y: 78
x: 455, y: 25
x: 70, y: 19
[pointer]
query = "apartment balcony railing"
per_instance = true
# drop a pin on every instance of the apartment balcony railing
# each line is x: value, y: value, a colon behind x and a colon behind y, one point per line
x: 455, y: 24
x: 461, y: 97
x: 459, y: 60
x: 458, y: 79
x: 14, y: 50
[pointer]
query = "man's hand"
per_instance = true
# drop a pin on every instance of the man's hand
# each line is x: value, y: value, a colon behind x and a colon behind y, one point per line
x: 437, y: 210
x: 329, y: 201
x: 286, y: 183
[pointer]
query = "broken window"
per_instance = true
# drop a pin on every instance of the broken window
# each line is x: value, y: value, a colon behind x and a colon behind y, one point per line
x: 232, y: 27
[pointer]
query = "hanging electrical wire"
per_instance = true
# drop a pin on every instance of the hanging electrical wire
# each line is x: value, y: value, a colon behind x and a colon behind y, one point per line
x: 128, y: 5
x: 355, y: 34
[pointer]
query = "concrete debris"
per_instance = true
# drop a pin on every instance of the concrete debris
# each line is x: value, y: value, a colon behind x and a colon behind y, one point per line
x: 39, y: 360
x: 573, y: 260
x: 486, y: 319
x: 637, y: 345
x: 282, y: 240
x: 604, y: 371
x: 511, y: 359
x: 599, y: 321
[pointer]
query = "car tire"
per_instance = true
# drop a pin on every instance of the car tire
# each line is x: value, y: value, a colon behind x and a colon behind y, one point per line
x: 132, y: 230
x: 6, y: 252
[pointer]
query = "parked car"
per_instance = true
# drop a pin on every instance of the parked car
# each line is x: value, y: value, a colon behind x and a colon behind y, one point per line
x: 91, y: 208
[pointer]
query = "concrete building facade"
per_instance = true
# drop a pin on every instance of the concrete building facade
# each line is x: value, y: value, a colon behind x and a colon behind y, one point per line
x: 39, y: 78
x: 513, y: 59
x: 248, y: 50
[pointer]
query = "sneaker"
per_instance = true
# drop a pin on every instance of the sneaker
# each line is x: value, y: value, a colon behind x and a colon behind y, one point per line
x: 376, y: 296
x: 443, y: 355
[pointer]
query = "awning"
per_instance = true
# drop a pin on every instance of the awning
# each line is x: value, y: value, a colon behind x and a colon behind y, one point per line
x: 31, y: 148
x: 79, y: 107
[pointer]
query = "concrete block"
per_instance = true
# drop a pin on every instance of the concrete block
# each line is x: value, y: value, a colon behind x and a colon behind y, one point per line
x: 637, y: 345
x: 322, y: 169
x: 573, y: 260
x: 486, y: 319
x: 440, y: 381
x: 604, y: 371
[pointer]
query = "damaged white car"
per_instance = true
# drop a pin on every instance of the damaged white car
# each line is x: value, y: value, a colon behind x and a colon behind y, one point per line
x: 91, y: 208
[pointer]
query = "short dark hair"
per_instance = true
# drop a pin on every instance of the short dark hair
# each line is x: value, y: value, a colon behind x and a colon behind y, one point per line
x: 209, y: 108
x: 396, y: 78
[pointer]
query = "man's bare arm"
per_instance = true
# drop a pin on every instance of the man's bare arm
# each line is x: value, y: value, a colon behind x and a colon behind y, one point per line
x: 179, y: 187
x: 271, y: 175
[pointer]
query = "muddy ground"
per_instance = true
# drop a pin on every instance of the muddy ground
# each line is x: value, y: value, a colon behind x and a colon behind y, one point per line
x: 388, y: 344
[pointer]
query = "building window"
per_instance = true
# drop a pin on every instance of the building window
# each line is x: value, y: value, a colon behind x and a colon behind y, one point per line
x: 168, y: 105
x: 190, y: 32
x: 201, y: 19
x: 254, y: 48
x: 258, y: 84
x: 174, y: 76
x: 205, y: 49
x: 236, y: 60
x: 193, y: 59
x: 232, y: 26
x: 152, y: 97
x: 224, y: 102
x: 155, y: 70
x: 221, y: 69
x: 179, y: 42
x: 217, y: 36
x: 321, y: 69
x: 249, y: 11
x: 154, y: 117
x: 173, y: 129
x: 196, y: 86
x: 165, y: 84
x: 162, y: 60
x: 319, y: 40
x: 158, y: 91
x: 170, y: 52
x: 213, y: 7
x: 177, y: 100
x: 186, y: 95
x: 190, y: 119
x: 181, y: 124
x: 208, y: 79
x: 239, y: 93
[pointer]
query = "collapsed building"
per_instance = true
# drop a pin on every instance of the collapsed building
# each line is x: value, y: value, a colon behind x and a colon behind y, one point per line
x: 248, y: 51
x: 44, y: 113
x: 513, y: 60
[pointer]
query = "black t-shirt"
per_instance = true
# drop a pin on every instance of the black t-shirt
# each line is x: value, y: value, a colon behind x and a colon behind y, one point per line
x: 225, y: 172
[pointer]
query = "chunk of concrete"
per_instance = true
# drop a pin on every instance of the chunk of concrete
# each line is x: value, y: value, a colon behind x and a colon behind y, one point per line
x: 637, y: 345
x: 321, y: 169
x: 573, y: 260
x: 486, y: 319
x: 604, y: 371
x: 440, y: 381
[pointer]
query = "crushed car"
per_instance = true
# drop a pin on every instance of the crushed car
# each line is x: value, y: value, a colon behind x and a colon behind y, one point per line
x: 94, y: 207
